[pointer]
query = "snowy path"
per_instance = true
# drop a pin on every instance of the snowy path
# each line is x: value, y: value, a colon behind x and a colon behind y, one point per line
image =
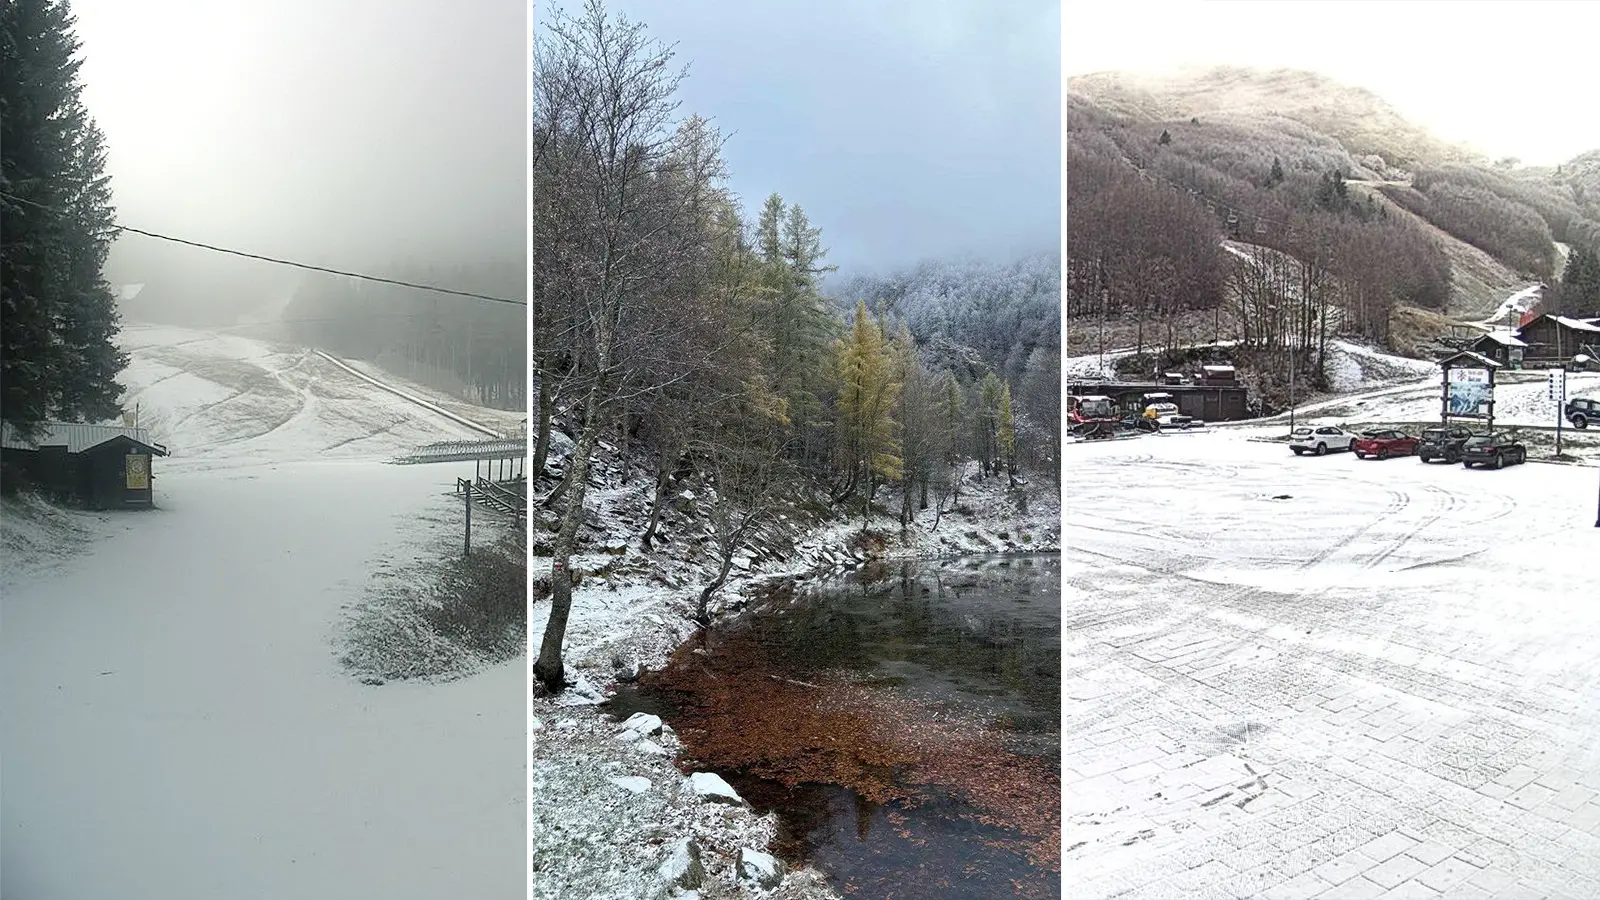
x: 177, y: 724
x: 1383, y: 680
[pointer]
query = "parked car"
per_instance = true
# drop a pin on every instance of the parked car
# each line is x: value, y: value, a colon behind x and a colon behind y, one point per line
x: 1384, y: 443
x: 1581, y: 411
x: 1320, y: 440
x: 1444, y: 443
x: 1497, y: 450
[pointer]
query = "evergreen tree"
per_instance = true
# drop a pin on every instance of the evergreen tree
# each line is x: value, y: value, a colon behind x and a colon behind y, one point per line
x: 57, y: 315
x: 988, y: 423
x: 1166, y: 137
x: 768, y: 229
x: 1276, y: 176
x: 955, y: 413
x: 1580, y: 282
x: 798, y: 326
x: 1006, y: 431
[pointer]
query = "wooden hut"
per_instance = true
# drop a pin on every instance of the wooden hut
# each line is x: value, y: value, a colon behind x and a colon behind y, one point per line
x: 95, y: 466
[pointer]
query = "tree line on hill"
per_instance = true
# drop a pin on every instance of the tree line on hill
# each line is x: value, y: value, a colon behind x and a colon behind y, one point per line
x: 668, y: 326
x: 1310, y: 258
x: 472, y: 348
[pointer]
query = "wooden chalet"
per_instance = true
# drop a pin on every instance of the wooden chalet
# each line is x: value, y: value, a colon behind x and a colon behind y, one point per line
x: 1552, y: 341
x: 1501, y: 346
x: 94, y: 466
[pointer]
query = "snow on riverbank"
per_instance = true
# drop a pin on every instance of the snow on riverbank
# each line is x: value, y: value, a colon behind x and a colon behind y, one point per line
x: 594, y: 838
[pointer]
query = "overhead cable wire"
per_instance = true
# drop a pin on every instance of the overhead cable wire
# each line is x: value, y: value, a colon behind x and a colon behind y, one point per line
x: 288, y: 262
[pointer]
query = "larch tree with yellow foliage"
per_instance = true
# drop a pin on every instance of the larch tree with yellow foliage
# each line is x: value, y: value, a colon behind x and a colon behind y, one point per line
x: 1006, y: 432
x: 868, y: 390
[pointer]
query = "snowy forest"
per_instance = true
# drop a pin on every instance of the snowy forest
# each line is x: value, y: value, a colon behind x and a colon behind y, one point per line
x: 668, y: 325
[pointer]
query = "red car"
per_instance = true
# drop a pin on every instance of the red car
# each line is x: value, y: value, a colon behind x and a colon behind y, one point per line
x: 1384, y: 444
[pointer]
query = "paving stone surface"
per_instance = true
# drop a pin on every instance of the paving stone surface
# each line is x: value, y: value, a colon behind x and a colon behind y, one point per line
x: 1327, y: 696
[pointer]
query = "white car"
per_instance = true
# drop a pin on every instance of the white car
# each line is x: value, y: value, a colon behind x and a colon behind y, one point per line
x: 1320, y: 440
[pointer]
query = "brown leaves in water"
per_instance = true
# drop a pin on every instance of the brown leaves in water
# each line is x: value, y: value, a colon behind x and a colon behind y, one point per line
x: 739, y: 712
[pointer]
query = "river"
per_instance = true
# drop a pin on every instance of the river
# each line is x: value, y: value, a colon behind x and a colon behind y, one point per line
x: 904, y: 723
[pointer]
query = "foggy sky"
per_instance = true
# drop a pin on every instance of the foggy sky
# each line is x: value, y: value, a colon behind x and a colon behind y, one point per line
x: 1511, y: 79
x: 906, y: 128
x: 348, y: 133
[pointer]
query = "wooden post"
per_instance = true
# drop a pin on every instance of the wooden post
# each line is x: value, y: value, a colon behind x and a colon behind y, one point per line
x: 466, y: 538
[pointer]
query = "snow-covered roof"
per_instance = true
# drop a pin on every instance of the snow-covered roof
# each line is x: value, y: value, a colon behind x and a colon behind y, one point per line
x: 1217, y: 368
x: 1577, y: 324
x: 1505, y: 338
x: 1470, y: 357
x: 1095, y: 397
x: 75, y: 437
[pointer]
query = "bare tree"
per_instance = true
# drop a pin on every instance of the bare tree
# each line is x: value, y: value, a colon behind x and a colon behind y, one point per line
x: 626, y: 195
x: 750, y: 475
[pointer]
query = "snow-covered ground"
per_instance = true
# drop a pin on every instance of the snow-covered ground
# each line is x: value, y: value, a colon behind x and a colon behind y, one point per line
x: 1297, y: 677
x: 592, y: 838
x: 1354, y: 367
x: 1523, y: 401
x: 231, y: 400
x: 1514, y: 306
x: 1351, y: 366
x: 177, y: 723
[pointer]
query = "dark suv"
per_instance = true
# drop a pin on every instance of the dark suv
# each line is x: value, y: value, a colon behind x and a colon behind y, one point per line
x: 1581, y: 411
x: 1494, y: 450
x: 1444, y: 443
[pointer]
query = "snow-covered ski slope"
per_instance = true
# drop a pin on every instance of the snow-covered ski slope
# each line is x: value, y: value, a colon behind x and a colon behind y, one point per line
x: 177, y: 723
x: 231, y: 400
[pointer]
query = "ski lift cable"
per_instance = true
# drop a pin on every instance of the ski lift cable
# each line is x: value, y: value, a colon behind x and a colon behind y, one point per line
x: 283, y: 262
x: 1153, y: 177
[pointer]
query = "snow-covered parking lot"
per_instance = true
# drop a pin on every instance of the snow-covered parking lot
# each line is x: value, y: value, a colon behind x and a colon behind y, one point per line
x: 1323, y: 677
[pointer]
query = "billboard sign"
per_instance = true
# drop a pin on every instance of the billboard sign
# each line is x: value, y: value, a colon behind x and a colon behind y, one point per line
x: 1469, y: 393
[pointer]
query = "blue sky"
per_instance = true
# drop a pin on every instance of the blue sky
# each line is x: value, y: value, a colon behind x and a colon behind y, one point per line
x: 908, y: 129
